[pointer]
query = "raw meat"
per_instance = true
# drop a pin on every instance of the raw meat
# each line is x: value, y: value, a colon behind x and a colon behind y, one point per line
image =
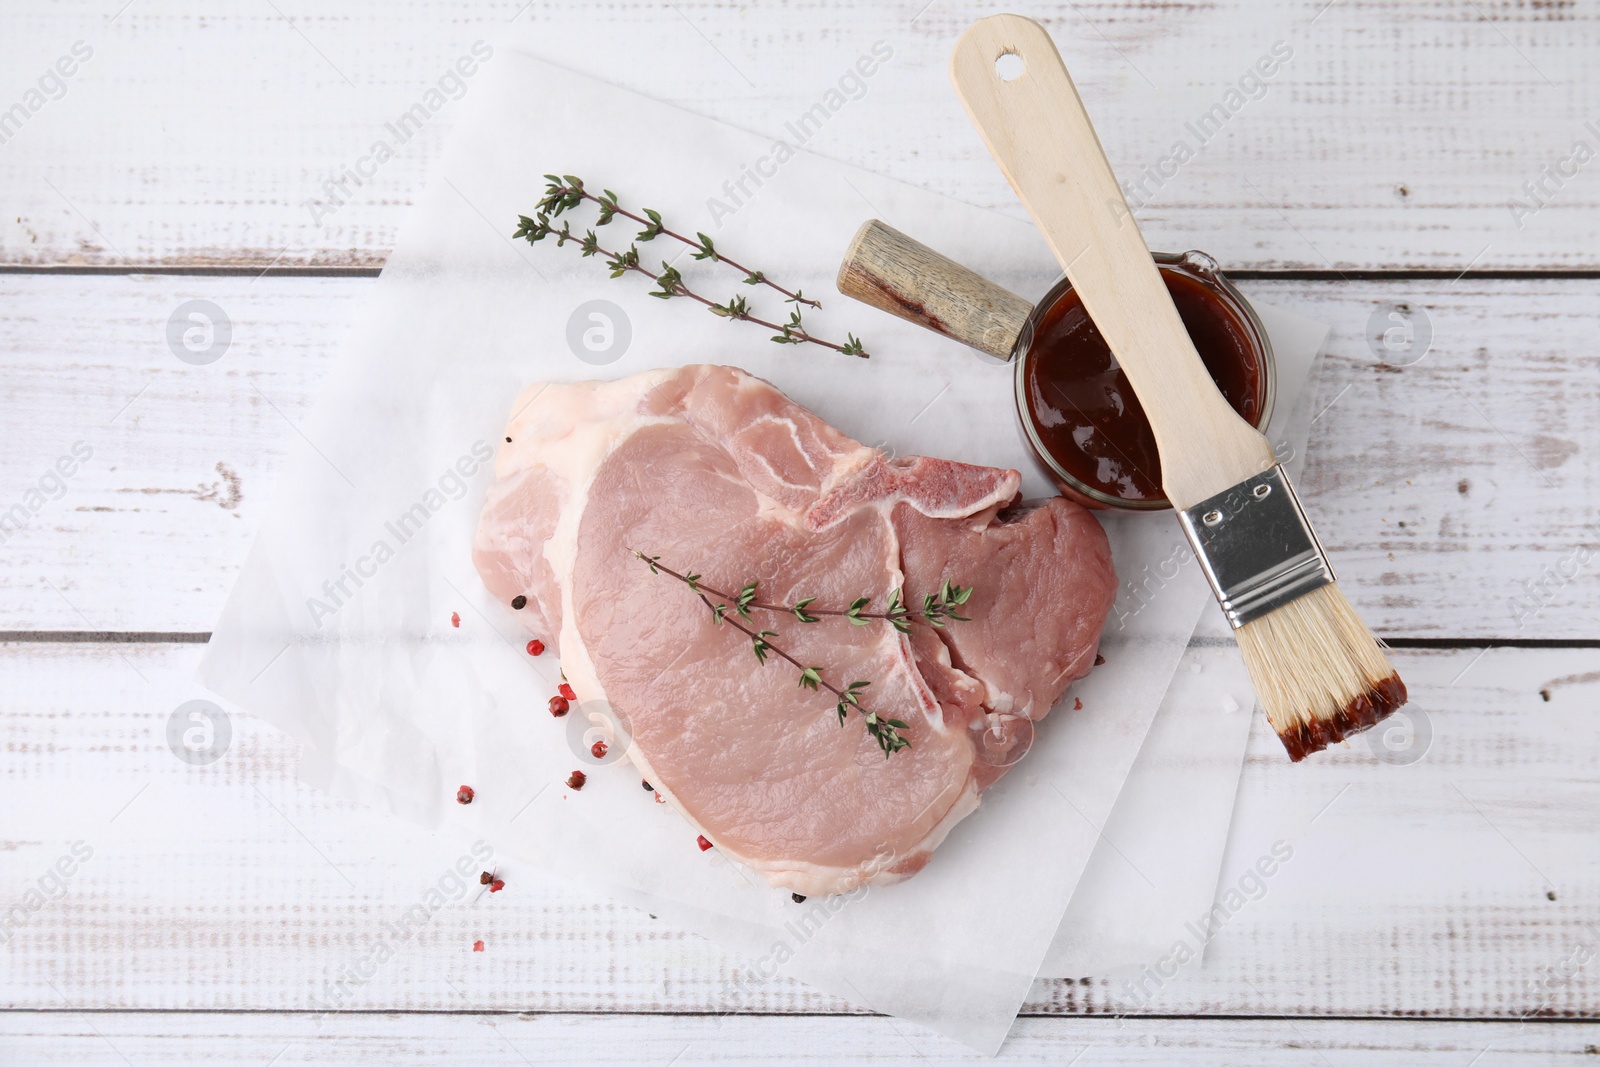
x: 718, y: 473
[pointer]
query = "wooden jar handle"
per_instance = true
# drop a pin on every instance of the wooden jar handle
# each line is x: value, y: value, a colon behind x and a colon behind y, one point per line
x: 885, y: 268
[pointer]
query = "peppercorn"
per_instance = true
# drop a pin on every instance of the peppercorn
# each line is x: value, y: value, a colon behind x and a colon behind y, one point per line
x: 797, y: 898
x: 598, y: 750
x: 455, y: 619
x: 464, y: 795
x: 567, y: 691
x: 576, y: 779
x: 519, y: 601
x: 559, y: 706
x: 497, y: 885
x: 535, y: 647
x: 648, y: 788
x: 485, y: 878
x: 702, y: 842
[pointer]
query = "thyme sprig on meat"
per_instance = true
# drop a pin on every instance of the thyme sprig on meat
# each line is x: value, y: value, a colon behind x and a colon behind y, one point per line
x: 563, y: 194
x: 937, y: 608
x: 733, y: 609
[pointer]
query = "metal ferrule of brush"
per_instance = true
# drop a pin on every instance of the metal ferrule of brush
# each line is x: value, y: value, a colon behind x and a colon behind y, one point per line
x: 1256, y: 547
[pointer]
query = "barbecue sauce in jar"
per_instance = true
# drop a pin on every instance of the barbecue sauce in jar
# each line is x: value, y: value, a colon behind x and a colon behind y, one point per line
x: 1084, y: 412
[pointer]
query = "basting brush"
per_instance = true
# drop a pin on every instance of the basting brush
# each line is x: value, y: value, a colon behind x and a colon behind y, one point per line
x: 1317, y: 669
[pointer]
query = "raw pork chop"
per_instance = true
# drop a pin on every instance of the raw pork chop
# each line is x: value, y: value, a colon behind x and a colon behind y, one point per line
x: 718, y: 473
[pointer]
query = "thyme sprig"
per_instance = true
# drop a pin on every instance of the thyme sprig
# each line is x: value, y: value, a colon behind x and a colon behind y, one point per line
x: 731, y: 609
x: 937, y: 608
x: 565, y: 192
x: 670, y: 283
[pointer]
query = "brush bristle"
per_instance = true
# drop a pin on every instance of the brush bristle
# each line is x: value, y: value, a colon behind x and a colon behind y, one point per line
x: 1319, y: 672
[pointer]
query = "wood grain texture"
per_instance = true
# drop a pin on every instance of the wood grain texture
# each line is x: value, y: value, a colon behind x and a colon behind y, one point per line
x: 1451, y: 491
x: 1452, y: 482
x: 1398, y: 134
x: 1459, y: 886
x: 898, y: 274
x: 225, y: 1040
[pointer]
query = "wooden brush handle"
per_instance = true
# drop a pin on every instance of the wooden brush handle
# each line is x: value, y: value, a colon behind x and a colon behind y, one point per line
x: 1037, y: 130
x: 885, y: 268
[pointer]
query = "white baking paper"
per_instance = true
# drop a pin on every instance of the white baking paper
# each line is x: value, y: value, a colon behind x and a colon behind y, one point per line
x: 1155, y: 869
x: 340, y: 628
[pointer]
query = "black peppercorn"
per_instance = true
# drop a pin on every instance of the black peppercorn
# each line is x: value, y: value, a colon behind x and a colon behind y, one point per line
x: 519, y: 602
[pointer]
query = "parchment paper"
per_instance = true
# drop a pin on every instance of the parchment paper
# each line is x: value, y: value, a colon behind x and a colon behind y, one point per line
x: 339, y: 629
x: 1156, y: 867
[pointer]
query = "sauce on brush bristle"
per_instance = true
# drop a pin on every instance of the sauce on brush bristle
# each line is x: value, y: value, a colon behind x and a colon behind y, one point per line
x: 1318, y: 670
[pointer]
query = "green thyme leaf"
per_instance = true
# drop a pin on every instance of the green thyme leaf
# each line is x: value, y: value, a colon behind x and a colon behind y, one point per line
x: 653, y: 230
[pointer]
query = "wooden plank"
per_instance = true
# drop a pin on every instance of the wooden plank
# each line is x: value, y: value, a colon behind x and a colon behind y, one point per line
x: 1389, y: 133
x: 60, y: 1037
x: 1451, y: 491
x: 1463, y: 885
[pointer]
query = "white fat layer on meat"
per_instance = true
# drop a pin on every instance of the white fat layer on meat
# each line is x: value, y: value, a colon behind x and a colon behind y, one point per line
x: 799, y: 448
x: 570, y: 429
x: 812, y: 880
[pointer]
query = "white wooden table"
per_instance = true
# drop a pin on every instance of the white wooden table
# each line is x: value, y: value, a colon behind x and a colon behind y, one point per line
x: 1442, y: 911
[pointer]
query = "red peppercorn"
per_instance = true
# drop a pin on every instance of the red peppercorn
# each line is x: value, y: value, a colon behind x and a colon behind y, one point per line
x: 1098, y: 659
x: 702, y: 842
x: 464, y: 795
x: 566, y: 690
x: 559, y: 706
x: 536, y: 647
x: 598, y: 750
x: 497, y: 885
x: 576, y: 779
x: 455, y: 618
x: 485, y: 878
x: 477, y: 946
x: 1077, y: 704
